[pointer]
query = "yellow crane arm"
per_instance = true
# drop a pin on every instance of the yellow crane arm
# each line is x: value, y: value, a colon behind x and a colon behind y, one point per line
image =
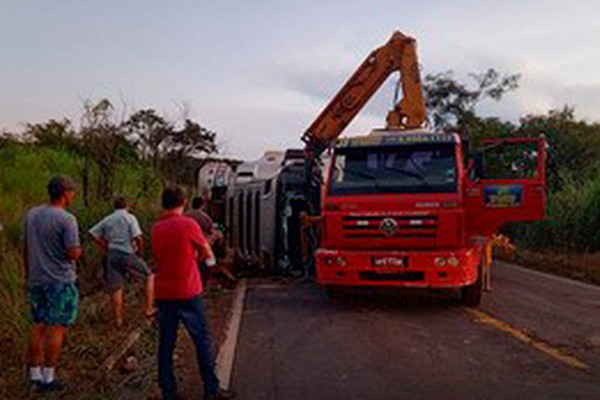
x: 398, y: 54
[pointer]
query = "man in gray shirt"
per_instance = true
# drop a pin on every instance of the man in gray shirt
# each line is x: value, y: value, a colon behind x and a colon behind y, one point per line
x: 120, y: 236
x: 50, y: 250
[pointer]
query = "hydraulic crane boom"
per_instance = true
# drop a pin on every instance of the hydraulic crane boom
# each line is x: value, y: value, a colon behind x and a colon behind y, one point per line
x: 398, y: 54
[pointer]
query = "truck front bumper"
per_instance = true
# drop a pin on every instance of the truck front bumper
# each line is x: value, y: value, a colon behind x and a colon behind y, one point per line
x: 434, y: 269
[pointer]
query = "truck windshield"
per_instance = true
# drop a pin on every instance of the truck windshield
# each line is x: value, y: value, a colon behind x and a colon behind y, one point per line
x: 414, y: 168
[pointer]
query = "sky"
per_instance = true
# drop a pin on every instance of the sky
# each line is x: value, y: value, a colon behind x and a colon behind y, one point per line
x: 258, y: 72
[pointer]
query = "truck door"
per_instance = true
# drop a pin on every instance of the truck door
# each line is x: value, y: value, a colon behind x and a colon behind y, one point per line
x: 507, y: 182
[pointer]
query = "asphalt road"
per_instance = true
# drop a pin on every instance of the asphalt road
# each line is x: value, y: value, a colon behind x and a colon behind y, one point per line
x: 533, y: 337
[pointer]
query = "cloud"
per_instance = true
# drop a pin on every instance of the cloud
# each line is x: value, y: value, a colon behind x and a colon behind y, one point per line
x: 259, y: 73
x: 254, y: 129
x: 542, y: 89
x: 319, y: 79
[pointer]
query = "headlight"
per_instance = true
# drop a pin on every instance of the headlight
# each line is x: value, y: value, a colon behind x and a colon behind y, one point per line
x: 453, y: 261
x: 340, y: 261
x: 329, y: 261
x: 439, y: 262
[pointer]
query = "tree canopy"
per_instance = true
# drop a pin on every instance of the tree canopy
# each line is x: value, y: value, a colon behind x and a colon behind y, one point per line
x: 169, y: 152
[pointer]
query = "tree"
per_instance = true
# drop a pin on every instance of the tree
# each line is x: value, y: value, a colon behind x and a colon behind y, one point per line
x: 573, y: 145
x: 452, y: 104
x: 185, y: 149
x: 192, y: 140
x: 147, y: 131
x: 172, y: 154
x: 103, y: 140
x: 54, y: 134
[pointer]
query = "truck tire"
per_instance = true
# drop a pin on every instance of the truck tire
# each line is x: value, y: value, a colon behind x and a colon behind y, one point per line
x: 470, y: 296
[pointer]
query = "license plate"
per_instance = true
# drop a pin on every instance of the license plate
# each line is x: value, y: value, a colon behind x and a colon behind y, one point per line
x: 383, y: 262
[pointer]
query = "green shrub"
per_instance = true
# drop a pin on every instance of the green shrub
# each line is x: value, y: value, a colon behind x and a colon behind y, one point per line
x: 573, y: 219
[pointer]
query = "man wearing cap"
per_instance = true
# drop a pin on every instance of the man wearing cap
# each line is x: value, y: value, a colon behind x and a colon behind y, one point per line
x: 120, y: 236
x: 50, y: 249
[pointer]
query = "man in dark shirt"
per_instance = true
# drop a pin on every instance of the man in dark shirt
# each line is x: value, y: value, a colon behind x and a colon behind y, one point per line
x: 50, y: 249
x: 177, y: 244
x: 206, y: 223
x: 201, y: 217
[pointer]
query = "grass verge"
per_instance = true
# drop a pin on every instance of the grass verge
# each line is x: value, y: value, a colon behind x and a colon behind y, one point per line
x: 584, y: 267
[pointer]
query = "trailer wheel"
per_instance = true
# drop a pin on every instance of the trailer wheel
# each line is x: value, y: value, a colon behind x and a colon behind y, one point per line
x: 471, y: 295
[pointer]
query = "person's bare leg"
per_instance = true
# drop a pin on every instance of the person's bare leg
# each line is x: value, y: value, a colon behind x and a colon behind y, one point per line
x: 36, y: 352
x: 150, y: 309
x: 118, y: 306
x: 54, y: 341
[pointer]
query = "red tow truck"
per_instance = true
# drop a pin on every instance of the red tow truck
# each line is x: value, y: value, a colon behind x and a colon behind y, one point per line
x: 404, y: 206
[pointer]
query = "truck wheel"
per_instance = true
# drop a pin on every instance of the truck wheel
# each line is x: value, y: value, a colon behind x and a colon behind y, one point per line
x: 471, y: 295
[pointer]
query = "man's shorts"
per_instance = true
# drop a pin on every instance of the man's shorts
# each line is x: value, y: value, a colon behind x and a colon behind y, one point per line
x: 124, y: 267
x: 55, y: 304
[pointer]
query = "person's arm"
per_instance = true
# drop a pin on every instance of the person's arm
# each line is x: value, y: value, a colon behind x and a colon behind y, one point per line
x: 25, y: 252
x: 210, y: 259
x: 138, y: 245
x: 201, y: 244
x: 210, y: 225
x: 71, y: 239
x: 25, y: 263
x: 97, y: 234
x: 100, y: 242
x: 208, y: 228
x: 136, y: 233
x: 74, y: 253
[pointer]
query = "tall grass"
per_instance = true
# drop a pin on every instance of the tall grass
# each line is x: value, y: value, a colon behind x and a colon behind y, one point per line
x: 24, y: 173
x: 573, y: 220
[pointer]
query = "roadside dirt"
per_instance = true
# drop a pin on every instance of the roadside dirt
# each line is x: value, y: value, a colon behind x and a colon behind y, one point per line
x: 142, y: 383
x: 584, y: 267
x: 95, y: 338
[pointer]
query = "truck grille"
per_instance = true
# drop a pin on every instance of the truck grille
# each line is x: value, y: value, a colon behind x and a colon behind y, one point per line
x: 390, y: 227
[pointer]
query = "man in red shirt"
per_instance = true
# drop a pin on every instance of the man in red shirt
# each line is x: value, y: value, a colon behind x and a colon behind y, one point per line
x: 177, y: 244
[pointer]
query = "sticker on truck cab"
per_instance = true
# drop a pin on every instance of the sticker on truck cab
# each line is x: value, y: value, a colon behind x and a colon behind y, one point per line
x: 502, y: 195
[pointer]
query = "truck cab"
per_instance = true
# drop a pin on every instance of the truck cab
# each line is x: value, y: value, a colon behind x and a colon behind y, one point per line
x: 403, y: 210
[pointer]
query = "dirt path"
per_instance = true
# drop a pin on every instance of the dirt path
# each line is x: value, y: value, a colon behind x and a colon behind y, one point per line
x: 141, y: 382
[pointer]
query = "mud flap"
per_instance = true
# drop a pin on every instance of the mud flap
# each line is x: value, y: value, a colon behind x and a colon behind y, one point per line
x: 470, y: 296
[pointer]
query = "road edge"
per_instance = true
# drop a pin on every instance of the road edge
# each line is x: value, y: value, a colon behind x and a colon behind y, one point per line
x: 548, y: 275
x: 226, y: 356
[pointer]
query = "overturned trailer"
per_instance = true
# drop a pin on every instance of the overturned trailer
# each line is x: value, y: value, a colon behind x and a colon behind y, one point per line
x: 214, y: 179
x: 264, y: 206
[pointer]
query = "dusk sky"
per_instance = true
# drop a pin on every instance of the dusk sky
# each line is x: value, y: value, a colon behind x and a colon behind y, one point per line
x: 258, y: 72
